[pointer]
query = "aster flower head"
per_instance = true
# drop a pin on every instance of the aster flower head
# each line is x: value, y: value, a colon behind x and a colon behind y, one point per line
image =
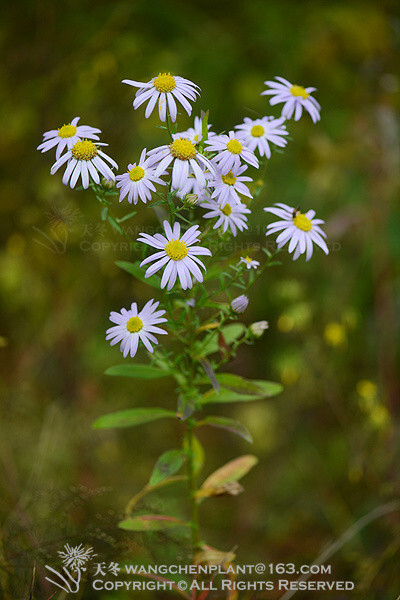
x: 195, y: 133
x: 228, y: 187
x: 230, y: 151
x: 249, y: 262
x: 295, y: 98
x: 257, y: 134
x: 85, y: 160
x: 177, y: 254
x: 164, y: 89
x: 301, y: 229
x: 227, y: 215
x: 185, y: 159
x: 139, y: 181
x: 66, y: 136
x: 133, y: 327
x: 239, y: 304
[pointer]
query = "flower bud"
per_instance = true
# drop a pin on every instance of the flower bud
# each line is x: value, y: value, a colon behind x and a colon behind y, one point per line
x: 258, y: 328
x: 191, y: 200
x: 108, y: 183
x: 239, y: 304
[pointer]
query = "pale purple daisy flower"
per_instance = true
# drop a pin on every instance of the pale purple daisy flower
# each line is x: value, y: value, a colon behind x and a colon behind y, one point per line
x: 185, y: 158
x: 66, y: 136
x: 295, y: 98
x: 301, y: 229
x: 227, y: 215
x: 177, y: 254
x: 259, y: 133
x: 133, y: 326
x: 139, y: 181
x: 230, y: 151
x: 166, y: 89
x: 228, y: 187
x: 85, y: 160
x: 249, y: 262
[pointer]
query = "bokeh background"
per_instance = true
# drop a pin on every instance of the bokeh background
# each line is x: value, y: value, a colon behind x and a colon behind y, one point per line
x: 329, y: 445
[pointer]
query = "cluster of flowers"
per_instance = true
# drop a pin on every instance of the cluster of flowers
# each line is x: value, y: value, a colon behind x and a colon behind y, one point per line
x: 206, y: 170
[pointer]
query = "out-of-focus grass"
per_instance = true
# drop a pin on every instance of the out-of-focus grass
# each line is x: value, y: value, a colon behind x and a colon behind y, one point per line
x: 329, y: 445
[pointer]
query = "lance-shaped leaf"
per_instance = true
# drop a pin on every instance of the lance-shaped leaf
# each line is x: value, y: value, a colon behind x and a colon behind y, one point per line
x: 222, y: 479
x: 230, y: 424
x: 137, y: 371
x: 167, y: 464
x: 150, y: 523
x: 238, y: 389
x: 132, y: 417
x: 138, y: 272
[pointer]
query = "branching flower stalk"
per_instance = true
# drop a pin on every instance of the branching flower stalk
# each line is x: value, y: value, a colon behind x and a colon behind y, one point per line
x: 203, y: 188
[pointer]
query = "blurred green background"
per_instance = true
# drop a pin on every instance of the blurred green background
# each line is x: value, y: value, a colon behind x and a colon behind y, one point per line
x: 329, y: 445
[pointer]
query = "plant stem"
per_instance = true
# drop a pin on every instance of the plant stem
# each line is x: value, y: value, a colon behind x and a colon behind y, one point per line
x: 192, y: 490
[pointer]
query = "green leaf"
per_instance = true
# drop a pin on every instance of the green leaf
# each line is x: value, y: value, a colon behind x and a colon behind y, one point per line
x: 150, y: 523
x: 137, y: 371
x: 114, y: 224
x: 132, y: 417
x: 167, y: 464
x: 227, y: 423
x: 238, y: 389
x: 269, y: 388
x: 211, y: 397
x: 135, y: 270
x: 128, y: 216
x: 230, y: 332
x: 237, y: 384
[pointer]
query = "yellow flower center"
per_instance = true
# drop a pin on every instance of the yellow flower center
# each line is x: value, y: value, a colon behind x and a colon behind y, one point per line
x: 234, y: 146
x: 84, y: 150
x: 226, y: 210
x: 134, y: 325
x: 165, y: 82
x: 136, y: 174
x: 248, y: 259
x: 302, y: 222
x: 176, y: 250
x: 257, y: 130
x: 229, y: 178
x: 183, y: 149
x: 67, y: 131
x: 297, y: 90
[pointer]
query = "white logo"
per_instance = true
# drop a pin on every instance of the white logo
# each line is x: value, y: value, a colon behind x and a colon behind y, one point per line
x: 74, y: 559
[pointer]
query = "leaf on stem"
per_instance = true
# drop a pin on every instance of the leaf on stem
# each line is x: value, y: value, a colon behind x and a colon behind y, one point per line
x: 167, y: 464
x: 238, y: 389
x: 229, y: 424
x: 150, y: 523
x: 132, y: 417
x: 224, y: 480
x: 207, y: 366
x: 137, y: 371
